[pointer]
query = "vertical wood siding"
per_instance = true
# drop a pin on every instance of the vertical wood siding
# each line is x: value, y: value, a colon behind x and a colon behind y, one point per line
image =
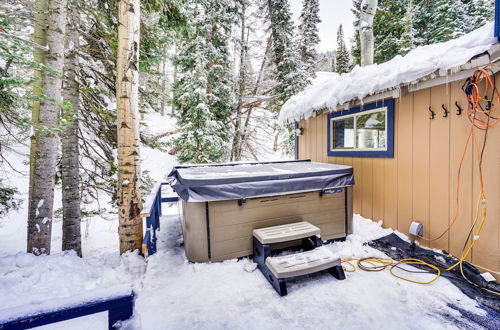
x: 420, y: 182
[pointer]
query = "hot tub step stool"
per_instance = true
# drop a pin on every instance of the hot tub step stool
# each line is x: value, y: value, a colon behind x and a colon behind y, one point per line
x: 314, y: 259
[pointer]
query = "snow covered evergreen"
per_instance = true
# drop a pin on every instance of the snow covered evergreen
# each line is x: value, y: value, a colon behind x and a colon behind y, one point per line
x: 401, y: 25
x: 309, y: 35
x: 407, y: 41
x: 290, y: 74
x: 342, y: 61
x: 204, y: 93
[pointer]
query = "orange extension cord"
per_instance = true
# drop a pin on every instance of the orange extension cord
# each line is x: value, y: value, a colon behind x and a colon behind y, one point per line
x: 479, y: 111
x: 480, y: 118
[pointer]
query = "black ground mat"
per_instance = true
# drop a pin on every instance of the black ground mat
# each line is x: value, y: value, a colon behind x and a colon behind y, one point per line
x: 398, y: 249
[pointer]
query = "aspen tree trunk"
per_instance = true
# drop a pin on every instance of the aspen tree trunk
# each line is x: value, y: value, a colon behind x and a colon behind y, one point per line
x: 368, y: 10
x: 42, y: 192
x: 71, y: 231
x: 241, y: 89
x: 40, y: 37
x: 127, y: 85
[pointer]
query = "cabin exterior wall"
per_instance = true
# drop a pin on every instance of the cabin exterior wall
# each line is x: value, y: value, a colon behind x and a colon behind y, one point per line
x: 419, y: 183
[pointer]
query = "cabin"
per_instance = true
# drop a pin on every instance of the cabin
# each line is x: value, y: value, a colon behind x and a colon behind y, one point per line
x: 406, y: 128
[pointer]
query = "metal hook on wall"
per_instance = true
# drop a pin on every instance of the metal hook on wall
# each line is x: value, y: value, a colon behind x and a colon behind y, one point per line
x: 445, y: 114
x: 433, y: 114
x: 459, y: 108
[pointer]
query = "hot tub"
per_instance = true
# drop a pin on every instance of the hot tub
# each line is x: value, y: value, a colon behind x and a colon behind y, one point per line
x: 222, y: 204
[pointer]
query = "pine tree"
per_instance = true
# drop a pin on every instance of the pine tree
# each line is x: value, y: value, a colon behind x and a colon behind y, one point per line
x: 446, y: 20
x: 290, y: 75
x: 479, y: 12
x: 309, y: 35
x: 389, y: 27
x: 356, y: 48
x: 342, y: 58
x: 203, y: 92
x: 407, y: 40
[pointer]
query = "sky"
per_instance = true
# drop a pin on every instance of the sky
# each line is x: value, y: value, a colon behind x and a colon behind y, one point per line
x: 332, y: 14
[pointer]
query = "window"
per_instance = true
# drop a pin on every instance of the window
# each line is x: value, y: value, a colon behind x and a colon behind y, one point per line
x: 362, y: 132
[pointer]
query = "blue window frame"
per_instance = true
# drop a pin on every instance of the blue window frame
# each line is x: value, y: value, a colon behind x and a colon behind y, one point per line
x: 366, y: 131
x: 497, y: 19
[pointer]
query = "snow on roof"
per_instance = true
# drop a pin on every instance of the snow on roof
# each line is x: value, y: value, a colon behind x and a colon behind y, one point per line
x: 332, y: 92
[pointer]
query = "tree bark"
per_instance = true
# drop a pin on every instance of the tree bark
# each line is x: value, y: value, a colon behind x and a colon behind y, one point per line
x: 241, y: 90
x: 71, y: 231
x: 244, y: 134
x: 163, y: 71
x: 368, y: 10
x: 42, y: 192
x: 127, y: 83
x: 39, y: 37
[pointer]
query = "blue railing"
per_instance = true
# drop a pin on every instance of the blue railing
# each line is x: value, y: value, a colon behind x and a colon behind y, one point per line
x: 119, y: 309
x: 152, y: 212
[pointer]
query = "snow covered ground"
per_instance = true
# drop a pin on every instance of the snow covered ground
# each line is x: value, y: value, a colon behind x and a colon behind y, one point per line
x: 174, y: 294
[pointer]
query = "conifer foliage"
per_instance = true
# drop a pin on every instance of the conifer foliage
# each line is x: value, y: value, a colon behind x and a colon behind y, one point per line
x: 309, y: 35
x: 401, y: 25
x: 290, y: 75
x: 343, y: 57
x: 203, y: 93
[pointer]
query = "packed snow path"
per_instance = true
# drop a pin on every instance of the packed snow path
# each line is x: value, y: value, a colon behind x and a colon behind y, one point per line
x: 177, y: 294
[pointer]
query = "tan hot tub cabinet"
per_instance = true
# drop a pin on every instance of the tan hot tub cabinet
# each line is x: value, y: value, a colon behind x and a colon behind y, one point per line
x: 217, y: 230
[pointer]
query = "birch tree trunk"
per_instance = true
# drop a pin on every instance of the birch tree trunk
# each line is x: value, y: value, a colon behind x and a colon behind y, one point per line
x: 71, y: 231
x: 42, y: 192
x: 368, y: 10
x: 127, y: 83
x: 40, y: 38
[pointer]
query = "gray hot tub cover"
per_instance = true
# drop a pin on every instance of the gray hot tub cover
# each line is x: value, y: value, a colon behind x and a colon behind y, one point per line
x: 203, y: 183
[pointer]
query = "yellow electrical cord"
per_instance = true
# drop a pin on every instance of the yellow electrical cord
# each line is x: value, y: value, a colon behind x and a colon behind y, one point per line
x: 474, y: 112
x: 378, y: 264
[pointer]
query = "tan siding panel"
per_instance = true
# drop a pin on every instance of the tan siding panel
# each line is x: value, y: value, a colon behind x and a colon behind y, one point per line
x: 358, y: 179
x: 324, y: 126
x: 421, y: 152
x: 312, y: 140
x: 487, y: 249
x: 405, y: 158
x: 439, y: 168
x: 367, y: 188
x: 319, y: 138
x: 391, y: 180
x: 459, y: 130
x: 378, y: 183
x: 307, y: 140
x: 302, y: 141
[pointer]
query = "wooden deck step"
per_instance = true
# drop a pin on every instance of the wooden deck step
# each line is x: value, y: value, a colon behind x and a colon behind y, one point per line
x: 285, y: 233
x: 302, y: 263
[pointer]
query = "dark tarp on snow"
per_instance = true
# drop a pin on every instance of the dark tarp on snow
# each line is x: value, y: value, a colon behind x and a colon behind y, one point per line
x: 398, y: 249
x: 201, y: 183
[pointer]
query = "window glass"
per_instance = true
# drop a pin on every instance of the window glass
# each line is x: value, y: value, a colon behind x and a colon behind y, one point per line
x: 371, y: 131
x: 343, y: 133
x: 360, y: 131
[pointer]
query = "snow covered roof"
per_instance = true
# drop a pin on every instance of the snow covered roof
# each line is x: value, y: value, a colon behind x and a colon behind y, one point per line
x: 336, y: 90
